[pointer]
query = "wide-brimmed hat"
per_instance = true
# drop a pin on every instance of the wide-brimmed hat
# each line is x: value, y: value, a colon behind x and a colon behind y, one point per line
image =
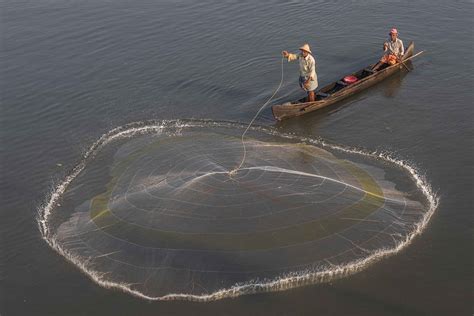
x: 306, y: 48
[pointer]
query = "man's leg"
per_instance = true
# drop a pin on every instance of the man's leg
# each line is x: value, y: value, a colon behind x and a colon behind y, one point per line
x: 381, y: 62
x: 311, y: 96
x: 377, y: 66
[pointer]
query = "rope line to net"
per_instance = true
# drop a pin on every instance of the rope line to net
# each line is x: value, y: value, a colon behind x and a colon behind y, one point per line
x: 253, y: 119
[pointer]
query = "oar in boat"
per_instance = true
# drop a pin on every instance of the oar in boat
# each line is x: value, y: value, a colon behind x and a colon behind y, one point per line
x: 398, y: 59
x: 403, y: 61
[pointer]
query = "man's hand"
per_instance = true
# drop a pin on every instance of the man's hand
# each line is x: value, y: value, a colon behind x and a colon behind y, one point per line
x: 306, y: 84
x: 385, y: 46
x: 285, y: 54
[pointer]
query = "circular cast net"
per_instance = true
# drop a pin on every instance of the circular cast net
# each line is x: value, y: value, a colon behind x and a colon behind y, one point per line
x: 153, y: 210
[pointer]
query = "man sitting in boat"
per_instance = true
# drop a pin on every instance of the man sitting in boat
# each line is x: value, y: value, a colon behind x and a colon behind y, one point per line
x: 308, y: 78
x: 393, y: 49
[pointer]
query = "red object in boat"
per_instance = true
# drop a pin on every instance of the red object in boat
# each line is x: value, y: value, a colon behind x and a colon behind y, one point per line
x: 350, y: 79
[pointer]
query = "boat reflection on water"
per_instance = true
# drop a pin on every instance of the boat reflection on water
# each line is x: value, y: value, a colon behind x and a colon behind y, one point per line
x: 393, y: 84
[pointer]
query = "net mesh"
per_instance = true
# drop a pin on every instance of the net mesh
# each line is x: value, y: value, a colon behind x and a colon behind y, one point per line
x: 154, y: 211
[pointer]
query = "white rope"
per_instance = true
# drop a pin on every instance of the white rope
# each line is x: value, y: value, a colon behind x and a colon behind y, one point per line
x: 251, y: 122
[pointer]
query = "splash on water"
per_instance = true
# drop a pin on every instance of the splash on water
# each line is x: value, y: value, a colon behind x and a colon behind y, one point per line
x: 154, y: 209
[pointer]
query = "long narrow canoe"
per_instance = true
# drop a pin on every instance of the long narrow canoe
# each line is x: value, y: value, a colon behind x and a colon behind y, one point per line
x: 339, y: 90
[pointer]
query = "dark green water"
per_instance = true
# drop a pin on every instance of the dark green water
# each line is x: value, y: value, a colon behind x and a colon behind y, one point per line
x: 72, y: 70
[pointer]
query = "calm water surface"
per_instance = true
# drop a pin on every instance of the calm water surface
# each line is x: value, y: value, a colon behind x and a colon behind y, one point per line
x: 71, y: 70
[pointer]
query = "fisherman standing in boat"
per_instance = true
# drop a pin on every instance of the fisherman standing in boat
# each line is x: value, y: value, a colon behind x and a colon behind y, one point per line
x: 308, y: 78
x: 393, y: 49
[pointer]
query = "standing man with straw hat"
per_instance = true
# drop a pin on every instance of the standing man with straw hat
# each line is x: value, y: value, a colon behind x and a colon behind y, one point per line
x: 308, y: 78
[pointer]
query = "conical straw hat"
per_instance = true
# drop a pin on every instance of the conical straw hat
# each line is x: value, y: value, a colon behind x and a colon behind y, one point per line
x: 305, y: 47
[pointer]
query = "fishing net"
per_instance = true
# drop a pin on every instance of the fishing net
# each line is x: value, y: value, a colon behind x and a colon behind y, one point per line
x: 153, y: 210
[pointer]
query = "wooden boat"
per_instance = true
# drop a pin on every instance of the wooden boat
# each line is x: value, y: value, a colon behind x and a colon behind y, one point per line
x: 340, y: 90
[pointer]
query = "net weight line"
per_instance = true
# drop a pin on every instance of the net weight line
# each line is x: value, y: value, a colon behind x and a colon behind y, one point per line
x: 232, y: 172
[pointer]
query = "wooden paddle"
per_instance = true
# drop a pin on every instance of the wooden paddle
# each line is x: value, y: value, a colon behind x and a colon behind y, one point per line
x: 398, y: 58
x: 403, y: 61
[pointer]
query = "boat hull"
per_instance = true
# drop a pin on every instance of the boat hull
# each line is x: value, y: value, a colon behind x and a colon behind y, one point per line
x: 284, y: 111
